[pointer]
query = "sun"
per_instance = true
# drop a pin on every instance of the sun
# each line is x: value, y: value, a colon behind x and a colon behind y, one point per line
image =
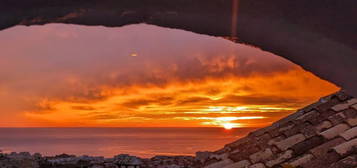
x: 134, y: 54
x: 228, y: 126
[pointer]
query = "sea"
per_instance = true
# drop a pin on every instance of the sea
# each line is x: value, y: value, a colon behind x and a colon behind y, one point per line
x: 108, y: 142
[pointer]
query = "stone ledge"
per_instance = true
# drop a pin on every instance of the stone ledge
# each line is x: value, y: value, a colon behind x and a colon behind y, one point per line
x: 315, y: 136
x: 261, y: 156
x: 220, y: 164
x: 346, y: 147
x: 289, y: 142
x: 344, y: 106
x: 301, y: 160
x: 258, y: 165
x: 349, y: 134
x: 334, y: 131
x: 240, y: 164
x: 280, y: 158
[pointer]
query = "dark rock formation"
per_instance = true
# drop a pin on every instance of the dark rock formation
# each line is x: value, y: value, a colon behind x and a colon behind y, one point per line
x: 319, y: 35
x: 26, y: 160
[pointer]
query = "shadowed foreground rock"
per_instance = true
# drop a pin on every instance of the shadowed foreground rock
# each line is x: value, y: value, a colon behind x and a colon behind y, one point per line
x: 26, y: 160
x: 321, y: 135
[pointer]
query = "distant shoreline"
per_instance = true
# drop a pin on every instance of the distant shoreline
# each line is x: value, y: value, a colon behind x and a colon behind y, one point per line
x: 27, y: 160
x: 107, y: 142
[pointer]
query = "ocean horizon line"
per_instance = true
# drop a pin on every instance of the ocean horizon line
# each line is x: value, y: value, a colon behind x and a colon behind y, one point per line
x: 132, y: 127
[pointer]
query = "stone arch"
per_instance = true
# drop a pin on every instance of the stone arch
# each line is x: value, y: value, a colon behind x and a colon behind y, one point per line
x: 319, y: 35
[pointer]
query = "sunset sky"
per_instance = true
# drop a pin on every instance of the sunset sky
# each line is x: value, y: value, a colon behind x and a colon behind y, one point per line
x: 144, y: 76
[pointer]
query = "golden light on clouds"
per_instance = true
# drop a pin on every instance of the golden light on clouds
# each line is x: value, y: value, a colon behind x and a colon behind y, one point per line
x: 201, y: 81
x: 227, y: 122
x: 238, y: 102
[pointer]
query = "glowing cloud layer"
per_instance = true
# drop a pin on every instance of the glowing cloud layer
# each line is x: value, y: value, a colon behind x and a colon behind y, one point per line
x: 141, y: 75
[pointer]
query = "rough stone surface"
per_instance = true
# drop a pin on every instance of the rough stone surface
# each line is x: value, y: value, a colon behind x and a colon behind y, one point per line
x: 302, y: 160
x: 337, y: 118
x: 312, y: 117
x: 280, y: 158
x: 352, y: 122
x: 240, y: 164
x: 202, y: 156
x: 342, y: 96
x: 348, y: 162
x: 261, y: 156
x: 286, y: 128
x: 276, y: 140
x: 334, y: 131
x: 325, y: 107
x: 323, y: 126
x: 243, y: 152
x: 258, y: 165
x: 220, y: 164
x: 308, y: 131
x: 26, y: 160
x: 306, y: 145
x: 354, y: 106
x: 322, y: 161
x: 323, y: 149
x: 318, y: 136
x: 289, y: 142
x: 263, y: 140
x: 326, y: 114
x: 351, y: 112
x: 346, y: 147
x: 349, y: 134
x: 220, y: 156
x: 209, y: 161
x: 344, y: 106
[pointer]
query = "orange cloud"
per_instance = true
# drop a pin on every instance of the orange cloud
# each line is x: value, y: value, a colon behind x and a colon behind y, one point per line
x: 250, y: 101
x: 143, y: 75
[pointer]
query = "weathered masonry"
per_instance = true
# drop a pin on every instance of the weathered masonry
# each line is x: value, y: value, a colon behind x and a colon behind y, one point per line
x: 322, y: 135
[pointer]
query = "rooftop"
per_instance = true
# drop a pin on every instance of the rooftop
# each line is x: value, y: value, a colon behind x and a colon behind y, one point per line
x: 322, y: 134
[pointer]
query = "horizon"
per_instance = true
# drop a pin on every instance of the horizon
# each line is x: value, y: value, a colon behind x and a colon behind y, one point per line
x: 198, y: 83
x: 108, y: 142
x: 206, y: 82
